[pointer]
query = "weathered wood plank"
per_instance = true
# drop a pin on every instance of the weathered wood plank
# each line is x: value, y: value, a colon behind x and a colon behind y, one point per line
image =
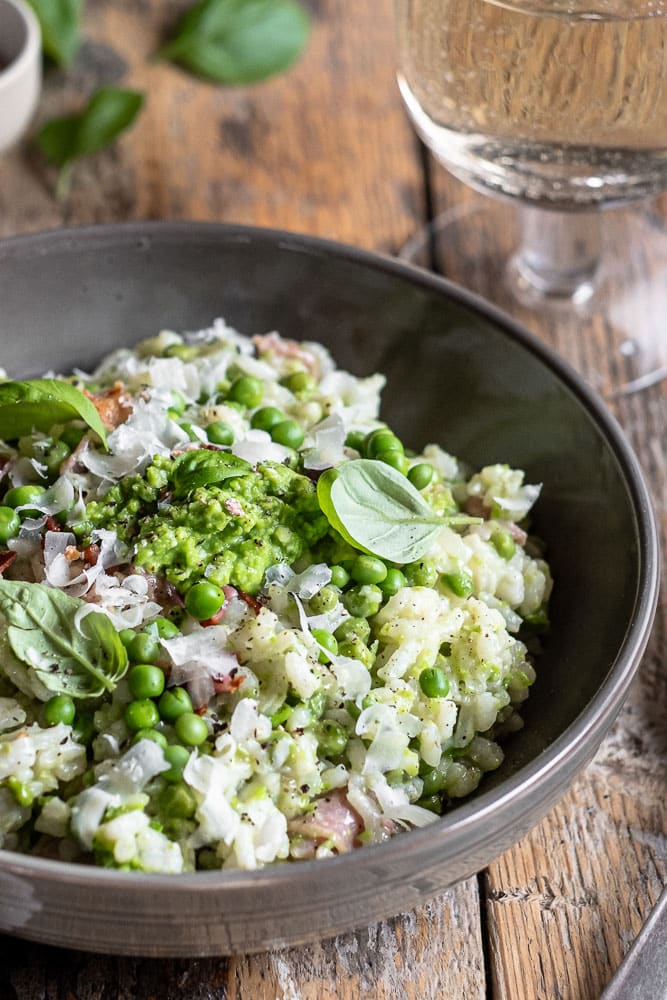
x: 432, y: 953
x: 324, y: 148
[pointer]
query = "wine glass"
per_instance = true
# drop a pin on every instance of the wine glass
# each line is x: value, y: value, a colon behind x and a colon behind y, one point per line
x: 559, y: 108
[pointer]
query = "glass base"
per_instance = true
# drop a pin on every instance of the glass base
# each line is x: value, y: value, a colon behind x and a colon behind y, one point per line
x: 611, y: 325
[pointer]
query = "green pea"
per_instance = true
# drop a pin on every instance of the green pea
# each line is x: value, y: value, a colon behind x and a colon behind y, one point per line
x: 203, y: 600
x: 460, y: 583
x: 396, y: 459
x: 58, y: 709
x: 126, y: 635
x: 355, y: 649
x: 247, y: 390
x: 353, y: 626
x: 327, y: 640
x: 154, y: 735
x: 368, y: 569
x: 176, y: 801
x: 331, y: 738
x: 421, y: 475
x: 83, y: 728
x: 363, y: 601
x: 393, y: 582
x: 146, y: 681
x: 339, y: 577
x: 72, y: 436
x: 177, y: 757
x: 421, y: 574
x: 324, y: 600
x: 380, y: 440
x: 164, y: 628
x: 191, y: 729
x: 21, y: 792
x: 143, y: 648
x: 288, y: 433
x: 316, y: 704
x: 173, y: 703
x: 434, y: 782
x: 300, y: 383
x: 10, y: 524
x: 433, y: 803
x: 220, y: 432
x: 18, y: 496
x: 266, y: 418
x: 434, y: 682
x: 141, y: 714
x: 54, y: 457
x: 185, y: 352
x: 357, y: 441
x: 503, y: 543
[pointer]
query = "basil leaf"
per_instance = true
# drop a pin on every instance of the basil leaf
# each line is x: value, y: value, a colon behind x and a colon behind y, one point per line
x: 38, y: 404
x: 377, y: 509
x: 59, y: 22
x: 203, y: 467
x: 109, y: 112
x: 42, y: 634
x: 238, y: 41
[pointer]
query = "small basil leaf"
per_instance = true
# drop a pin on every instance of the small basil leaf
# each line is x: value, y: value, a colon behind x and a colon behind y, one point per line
x: 324, y: 485
x: 59, y: 22
x: 239, y: 41
x: 378, y: 510
x: 109, y: 112
x: 38, y: 404
x: 203, y: 467
x: 42, y: 633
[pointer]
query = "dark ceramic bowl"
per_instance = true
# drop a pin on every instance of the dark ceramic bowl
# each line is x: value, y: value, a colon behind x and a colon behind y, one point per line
x: 459, y: 373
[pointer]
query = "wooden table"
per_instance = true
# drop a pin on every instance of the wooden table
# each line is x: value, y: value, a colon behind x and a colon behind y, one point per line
x: 327, y: 149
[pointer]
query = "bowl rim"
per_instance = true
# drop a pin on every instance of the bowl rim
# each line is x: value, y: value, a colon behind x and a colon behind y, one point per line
x: 470, y: 822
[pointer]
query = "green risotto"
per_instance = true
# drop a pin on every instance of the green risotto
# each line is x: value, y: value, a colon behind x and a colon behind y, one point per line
x: 241, y: 623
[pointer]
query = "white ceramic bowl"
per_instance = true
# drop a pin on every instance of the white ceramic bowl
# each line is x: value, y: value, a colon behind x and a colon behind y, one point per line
x: 20, y: 69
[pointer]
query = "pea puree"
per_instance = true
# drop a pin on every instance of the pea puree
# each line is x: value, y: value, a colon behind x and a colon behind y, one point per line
x: 229, y: 533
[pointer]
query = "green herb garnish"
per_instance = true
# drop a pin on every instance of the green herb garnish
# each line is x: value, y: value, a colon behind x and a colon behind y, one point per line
x: 109, y: 112
x: 202, y: 467
x: 238, y: 41
x: 378, y: 510
x: 59, y: 21
x: 38, y: 404
x: 82, y: 660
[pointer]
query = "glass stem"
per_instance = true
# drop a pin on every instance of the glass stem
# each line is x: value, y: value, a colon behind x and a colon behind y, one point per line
x: 558, y: 255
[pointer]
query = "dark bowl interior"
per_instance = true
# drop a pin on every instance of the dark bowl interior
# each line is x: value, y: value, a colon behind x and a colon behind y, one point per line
x: 459, y: 373
x: 468, y: 381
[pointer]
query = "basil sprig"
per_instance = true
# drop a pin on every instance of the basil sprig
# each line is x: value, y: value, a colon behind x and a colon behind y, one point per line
x: 202, y: 467
x: 238, y: 41
x: 378, y: 510
x: 38, y: 404
x: 83, y: 661
x: 59, y: 21
x: 109, y: 112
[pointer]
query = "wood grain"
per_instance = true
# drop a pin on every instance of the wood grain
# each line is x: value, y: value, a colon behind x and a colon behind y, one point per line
x: 325, y: 148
